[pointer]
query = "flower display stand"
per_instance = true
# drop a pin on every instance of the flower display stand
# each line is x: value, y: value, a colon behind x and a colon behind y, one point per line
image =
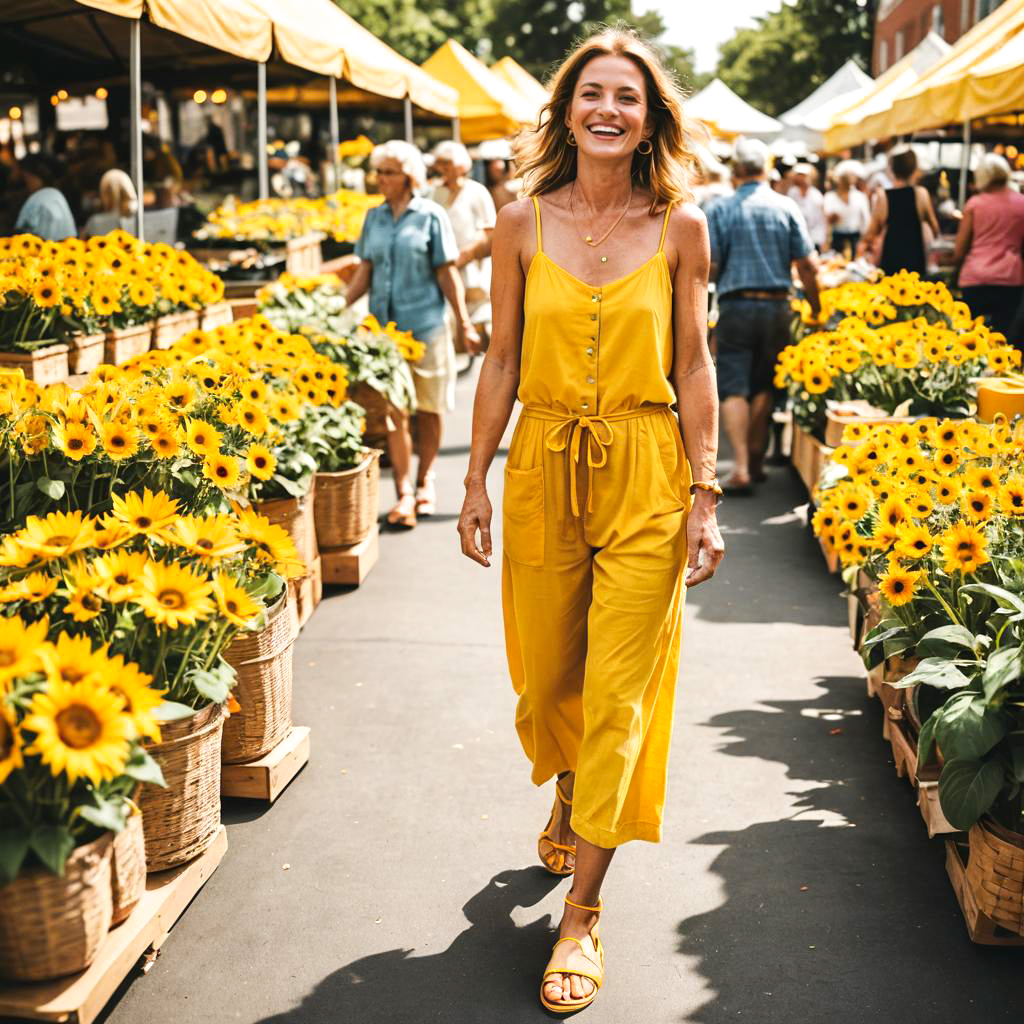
x: 809, y: 457
x: 350, y: 566
x: 980, y: 927
x: 267, y: 778
x: 80, y: 998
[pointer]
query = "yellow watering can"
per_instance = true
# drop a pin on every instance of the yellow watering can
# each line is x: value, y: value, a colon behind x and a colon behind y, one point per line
x: 1000, y: 396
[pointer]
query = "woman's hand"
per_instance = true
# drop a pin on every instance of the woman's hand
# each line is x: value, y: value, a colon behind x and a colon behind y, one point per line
x: 705, y: 548
x: 468, y: 336
x: 476, y: 516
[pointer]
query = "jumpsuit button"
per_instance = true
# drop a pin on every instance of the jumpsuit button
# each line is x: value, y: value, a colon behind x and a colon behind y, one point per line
x: 593, y: 316
x: 590, y: 351
x: 584, y: 405
x: 593, y: 298
x: 590, y: 380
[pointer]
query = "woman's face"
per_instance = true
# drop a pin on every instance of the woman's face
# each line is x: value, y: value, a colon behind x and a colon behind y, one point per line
x: 449, y: 172
x: 608, y: 111
x: 392, y: 180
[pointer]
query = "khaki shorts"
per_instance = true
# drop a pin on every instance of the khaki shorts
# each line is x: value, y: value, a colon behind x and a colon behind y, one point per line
x: 434, y: 374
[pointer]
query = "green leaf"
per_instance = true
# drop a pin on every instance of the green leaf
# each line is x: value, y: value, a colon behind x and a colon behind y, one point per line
x: 967, y: 789
x: 966, y: 728
x: 938, y: 672
x: 108, y: 815
x: 172, y: 711
x: 53, y: 489
x: 926, y: 742
x: 945, y: 641
x: 1016, y: 746
x: 14, y: 843
x: 1004, y: 667
x: 144, y: 768
x: 1003, y: 597
x: 214, y: 684
x: 52, y: 844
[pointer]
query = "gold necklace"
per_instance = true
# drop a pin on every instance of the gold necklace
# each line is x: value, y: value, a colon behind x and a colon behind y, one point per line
x: 589, y: 239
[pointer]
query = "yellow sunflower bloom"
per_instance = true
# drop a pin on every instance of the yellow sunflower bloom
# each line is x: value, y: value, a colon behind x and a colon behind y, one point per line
x: 209, y: 537
x: 10, y: 743
x: 75, y: 440
x: 947, y: 492
x: 173, y: 595
x: 119, y: 442
x: 977, y: 505
x: 119, y: 573
x: 897, y: 586
x: 272, y: 541
x: 166, y: 444
x: 145, y: 513
x: 234, y: 603
x: 260, y: 461
x: 57, y: 535
x: 46, y: 294
x: 1011, y: 497
x: 202, y: 438
x: 252, y: 418
x: 224, y: 470
x: 964, y: 547
x: 140, y: 697
x: 915, y: 542
x: 36, y: 586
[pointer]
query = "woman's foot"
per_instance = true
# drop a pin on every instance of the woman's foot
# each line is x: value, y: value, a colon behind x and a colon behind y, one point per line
x: 557, y: 843
x: 426, y: 496
x: 404, y: 513
x: 582, y: 959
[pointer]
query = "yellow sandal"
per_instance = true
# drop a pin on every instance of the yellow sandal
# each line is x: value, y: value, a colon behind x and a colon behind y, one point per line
x: 554, y: 855
x: 597, y: 977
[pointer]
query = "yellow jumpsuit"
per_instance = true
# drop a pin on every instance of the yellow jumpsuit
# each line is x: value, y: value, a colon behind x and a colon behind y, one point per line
x: 594, y: 538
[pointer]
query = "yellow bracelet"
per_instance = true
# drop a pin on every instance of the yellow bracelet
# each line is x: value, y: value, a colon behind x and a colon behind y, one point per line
x: 707, y: 485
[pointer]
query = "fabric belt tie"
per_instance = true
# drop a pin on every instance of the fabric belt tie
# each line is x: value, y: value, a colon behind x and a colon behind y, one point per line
x: 567, y: 434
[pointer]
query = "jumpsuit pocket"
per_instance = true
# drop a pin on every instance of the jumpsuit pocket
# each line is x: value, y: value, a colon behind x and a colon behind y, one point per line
x: 669, y: 468
x: 523, y: 515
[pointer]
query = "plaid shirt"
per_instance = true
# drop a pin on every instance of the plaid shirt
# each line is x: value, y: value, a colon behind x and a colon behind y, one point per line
x: 755, y: 236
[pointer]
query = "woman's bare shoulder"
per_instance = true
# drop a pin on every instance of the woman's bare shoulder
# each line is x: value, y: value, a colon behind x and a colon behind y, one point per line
x: 687, y: 224
x: 515, y: 217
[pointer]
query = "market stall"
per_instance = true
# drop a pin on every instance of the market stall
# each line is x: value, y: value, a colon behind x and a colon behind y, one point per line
x: 729, y: 115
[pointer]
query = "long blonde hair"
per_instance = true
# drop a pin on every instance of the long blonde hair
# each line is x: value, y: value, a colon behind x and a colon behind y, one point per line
x: 546, y: 159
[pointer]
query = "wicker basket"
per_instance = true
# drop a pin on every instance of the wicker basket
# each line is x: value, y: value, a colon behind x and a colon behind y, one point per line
x: 46, y: 365
x: 379, y: 422
x: 52, y: 926
x: 217, y: 315
x: 181, y: 821
x: 296, y: 516
x: 85, y: 352
x: 995, y: 873
x: 126, y: 343
x: 346, y: 503
x: 128, y: 868
x: 263, y: 661
x: 168, y: 329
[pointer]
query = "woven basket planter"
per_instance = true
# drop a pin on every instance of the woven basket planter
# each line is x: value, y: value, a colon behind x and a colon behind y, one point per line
x: 379, y: 422
x: 46, y: 365
x: 263, y: 662
x: 296, y: 516
x: 345, y: 506
x: 168, y: 329
x: 52, y: 926
x: 995, y: 873
x: 126, y: 343
x: 181, y: 821
x: 128, y: 868
x: 217, y: 315
x: 85, y: 352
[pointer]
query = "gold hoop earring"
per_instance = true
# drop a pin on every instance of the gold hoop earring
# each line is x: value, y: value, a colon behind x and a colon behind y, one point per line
x: 640, y: 147
x: 572, y: 139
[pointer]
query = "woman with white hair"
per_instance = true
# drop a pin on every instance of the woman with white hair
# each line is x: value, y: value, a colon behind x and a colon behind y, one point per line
x: 408, y: 265
x: 118, y: 201
x: 988, y: 246
x: 471, y: 209
x: 846, y: 207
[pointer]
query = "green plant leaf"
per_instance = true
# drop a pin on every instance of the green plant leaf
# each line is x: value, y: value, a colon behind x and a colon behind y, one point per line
x: 938, y: 672
x: 967, y: 789
x: 946, y: 641
x: 144, y: 768
x: 52, y: 844
x: 215, y: 684
x: 53, y: 489
x: 926, y: 741
x: 14, y: 843
x: 1003, y: 597
x: 1015, y: 742
x: 172, y: 711
x: 1004, y: 667
x: 966, y: 728
x: 108, y: 815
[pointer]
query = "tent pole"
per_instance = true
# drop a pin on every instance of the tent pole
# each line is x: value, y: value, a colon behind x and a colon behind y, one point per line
x: 135, y: 105
x: 335, y: 161
x: 965, y: 162
x: 456, y: 130
x: 261, y: 129
x: 408, y: 119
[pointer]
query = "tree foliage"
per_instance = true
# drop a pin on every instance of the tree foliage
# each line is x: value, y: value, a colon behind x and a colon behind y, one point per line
x: 790, y: 52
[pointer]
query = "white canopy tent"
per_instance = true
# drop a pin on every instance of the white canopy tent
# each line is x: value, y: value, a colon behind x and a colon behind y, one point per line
x: 728, y: 114
x: 803, y: 126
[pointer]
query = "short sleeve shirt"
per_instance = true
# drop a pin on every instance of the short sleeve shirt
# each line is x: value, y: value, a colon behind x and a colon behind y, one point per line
x: 471, y: 213
x: 47, y: 215
x: 405, y: 255
x: 756, y: 235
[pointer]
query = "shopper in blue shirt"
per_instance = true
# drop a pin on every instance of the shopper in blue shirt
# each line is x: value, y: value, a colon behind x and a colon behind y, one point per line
x: 756, y: 236
x: 45, y: 213
x: 408, y: 265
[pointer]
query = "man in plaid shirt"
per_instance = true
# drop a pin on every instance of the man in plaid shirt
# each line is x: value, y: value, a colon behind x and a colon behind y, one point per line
x: 756, y: 235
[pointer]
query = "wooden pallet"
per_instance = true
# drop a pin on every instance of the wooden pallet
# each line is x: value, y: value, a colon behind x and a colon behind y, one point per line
x: 80, y: 999
x: 267, y: 778
x: 980, y: 927
x: 350, y: 566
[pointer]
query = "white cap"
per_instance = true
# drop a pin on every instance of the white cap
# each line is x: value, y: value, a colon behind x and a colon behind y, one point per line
x: 750, y: 153
x: 494, y: 149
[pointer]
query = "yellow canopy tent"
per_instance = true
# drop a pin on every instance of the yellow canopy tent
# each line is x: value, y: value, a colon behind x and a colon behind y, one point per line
x: 996, y: 85
x: 847, y: 126
x: 522, y: 81
x: 488, y: 107
x: 937, y: 97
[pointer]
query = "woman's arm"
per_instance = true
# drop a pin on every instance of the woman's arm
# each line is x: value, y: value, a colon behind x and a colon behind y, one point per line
x: 359, y: 283
x: 879, y: 215
x: 693, y: 374
x: 964, y: 236
x: 451, y: 287
x: 925, y: 209
x: 499, y: 376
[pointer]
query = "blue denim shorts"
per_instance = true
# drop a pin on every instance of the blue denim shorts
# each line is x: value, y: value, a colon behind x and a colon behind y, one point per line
x: 751, y: 333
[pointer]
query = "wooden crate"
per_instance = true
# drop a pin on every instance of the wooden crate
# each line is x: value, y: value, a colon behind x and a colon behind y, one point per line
x: 809, y: 457
x: 80, y: 998
x: 980, y: 927
x: 830, y: 555
x: 266, y: 778
x: 931, y: 811
x: 350, y: 566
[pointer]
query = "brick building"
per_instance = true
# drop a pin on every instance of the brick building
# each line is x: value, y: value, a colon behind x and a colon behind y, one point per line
x: 901, y: 24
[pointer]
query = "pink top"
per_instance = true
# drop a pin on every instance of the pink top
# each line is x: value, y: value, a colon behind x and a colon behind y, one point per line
x: 995, y: 253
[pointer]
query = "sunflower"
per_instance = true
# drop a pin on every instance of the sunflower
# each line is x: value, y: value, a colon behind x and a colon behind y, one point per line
x: 273, y: 542
x: 1011, y: 497
x: 897, y: 585
x: 255, y: 390
x: 817, y: 381
x: 285, y: 409
x: 71, y: 659
x: 260, y: 461
x: 885, y: 536
x: 46, y: 295
x: 20, y: 644
x: 947, y: 434
x: 57, y: 535
x: 142, y: 293
x: 983, y: 479
x: 977, y: 505
x: 36, y: 586
x: 964, y: 548
x: 146, y: 512
x: 118, y: 574
x: 84, y: 603
x: 110, y: 533
x: 75, y: 440
x: 180, y: 394
x: 947, y: 460
x: 202, y: 438
x: 894, y: 510
x: 81, y: 730
x: 165, y: 443
x: 223, y: 470
x: 119, y: 442
x: 921, y: 505
x: 234, y: 603
x: 140, y: 698
x: 209, y: 537
x: 105, y: 299
x: 915, y: 542
x: 947, y: 492
x: 10, y: 743
x: 173, y: 595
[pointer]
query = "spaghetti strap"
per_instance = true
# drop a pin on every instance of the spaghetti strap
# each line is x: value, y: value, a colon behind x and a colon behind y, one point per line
x: 664, y: 227
x: 536, y: 210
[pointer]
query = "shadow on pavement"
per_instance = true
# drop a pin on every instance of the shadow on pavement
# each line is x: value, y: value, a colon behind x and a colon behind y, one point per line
x: 488, y: 975
x: 842, y: 912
